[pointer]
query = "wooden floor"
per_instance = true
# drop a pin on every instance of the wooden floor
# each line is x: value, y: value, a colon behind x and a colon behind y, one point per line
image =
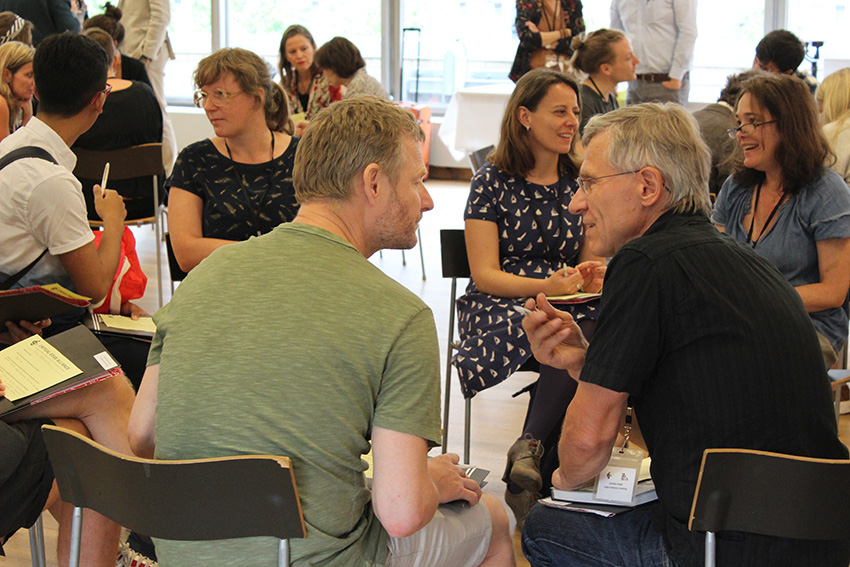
x: 496, y: 416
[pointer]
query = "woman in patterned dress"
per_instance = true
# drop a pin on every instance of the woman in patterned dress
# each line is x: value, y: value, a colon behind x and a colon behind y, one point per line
x: 522, y: 240
x: 239, y: 183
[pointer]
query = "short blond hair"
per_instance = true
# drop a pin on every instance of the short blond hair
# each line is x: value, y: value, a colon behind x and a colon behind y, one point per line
x: 344, y: 139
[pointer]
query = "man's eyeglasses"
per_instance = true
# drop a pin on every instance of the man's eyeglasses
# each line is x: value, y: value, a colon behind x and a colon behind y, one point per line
x: 218, y: 97
x: 586, y: 183
x: 747, y: 129
x: 105, y: 93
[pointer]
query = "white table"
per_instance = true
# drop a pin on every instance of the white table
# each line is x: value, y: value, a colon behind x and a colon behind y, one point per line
x: 473, y: 118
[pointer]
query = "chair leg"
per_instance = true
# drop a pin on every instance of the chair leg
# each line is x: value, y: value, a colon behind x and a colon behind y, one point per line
x: 283, y: 553
x: 447, y: 390
x: 157, y: 221
x: 37, y: 543
x: 467, y: 427
x: 709, y: 549
x: 76, y: 536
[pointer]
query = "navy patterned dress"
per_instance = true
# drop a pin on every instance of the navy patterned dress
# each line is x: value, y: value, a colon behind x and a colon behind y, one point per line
x: 537, y: 235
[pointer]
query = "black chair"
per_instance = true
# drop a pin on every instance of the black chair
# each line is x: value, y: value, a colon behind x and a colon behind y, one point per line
x: 175, y: 272
x: 134, y: 162
x: 197, y: 500
x: 455, y: 265
x: 770, y: 494
x: 478, y: 157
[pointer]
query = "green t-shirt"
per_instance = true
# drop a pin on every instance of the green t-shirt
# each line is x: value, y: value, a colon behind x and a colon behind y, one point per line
x: 294, y: 344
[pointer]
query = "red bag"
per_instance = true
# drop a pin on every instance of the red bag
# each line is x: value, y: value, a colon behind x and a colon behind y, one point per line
x: 129, y: 281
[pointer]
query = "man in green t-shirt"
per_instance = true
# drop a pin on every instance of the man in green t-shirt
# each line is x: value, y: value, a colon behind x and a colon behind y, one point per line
x: 294, y: 344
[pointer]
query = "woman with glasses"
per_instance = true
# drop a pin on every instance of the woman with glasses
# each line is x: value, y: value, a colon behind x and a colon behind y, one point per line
x: 16, y: 86
x: 237, y: 184
x: 522, y: 240
x: 785, y: 203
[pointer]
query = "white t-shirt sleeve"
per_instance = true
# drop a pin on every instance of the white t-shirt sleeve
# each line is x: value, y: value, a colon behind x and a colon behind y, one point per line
x: 57, y: 216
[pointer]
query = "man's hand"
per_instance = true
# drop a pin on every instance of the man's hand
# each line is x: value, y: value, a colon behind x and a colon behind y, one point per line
x: 672, y: 84
x: 133, y: 311
x: 24, y: 329
x: 451, y: 482
x: 555, y: 338
x: 109, y: 205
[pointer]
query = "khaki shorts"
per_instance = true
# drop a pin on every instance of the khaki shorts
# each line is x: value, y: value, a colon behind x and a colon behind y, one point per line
x: 457, y: 536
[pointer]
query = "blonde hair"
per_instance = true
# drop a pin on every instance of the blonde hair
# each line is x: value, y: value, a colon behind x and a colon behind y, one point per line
x: 834, y: 94
x: 13, y: 56
x: 252, y: 74
x: 345, y: 138
x: 14, y: 28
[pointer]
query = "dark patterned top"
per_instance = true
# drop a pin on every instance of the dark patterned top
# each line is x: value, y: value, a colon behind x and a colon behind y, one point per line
x: 240, y: 199
x: 537, y: 235
x: 532, y: 11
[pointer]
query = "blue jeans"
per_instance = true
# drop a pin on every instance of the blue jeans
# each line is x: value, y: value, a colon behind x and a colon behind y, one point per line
x: 575, y: 539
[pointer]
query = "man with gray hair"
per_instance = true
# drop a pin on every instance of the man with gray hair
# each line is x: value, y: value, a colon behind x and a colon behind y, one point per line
x: 294, y: 344
x: 693, y: 330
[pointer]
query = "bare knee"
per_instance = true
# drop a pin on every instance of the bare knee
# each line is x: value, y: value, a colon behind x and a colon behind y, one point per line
x: 501, y: 551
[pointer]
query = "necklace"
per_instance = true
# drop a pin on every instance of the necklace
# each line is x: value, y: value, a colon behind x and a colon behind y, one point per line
x: 750, y: 240
x: 243, y: 190
x: 551, y: 24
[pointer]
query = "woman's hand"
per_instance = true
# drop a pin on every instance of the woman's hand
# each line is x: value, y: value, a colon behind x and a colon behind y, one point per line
x: 563, y: 282
x: 532, y: 27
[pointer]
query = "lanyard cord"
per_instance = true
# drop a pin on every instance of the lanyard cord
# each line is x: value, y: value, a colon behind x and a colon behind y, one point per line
x: 766, y: 224
x: 243, y: 191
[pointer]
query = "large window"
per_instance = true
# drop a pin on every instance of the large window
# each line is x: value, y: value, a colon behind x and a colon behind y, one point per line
x: 451, y: 44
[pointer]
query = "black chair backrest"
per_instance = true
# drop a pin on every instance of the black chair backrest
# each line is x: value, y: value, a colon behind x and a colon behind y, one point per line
x: 177, y: 273
x: 203, y: 499
x: 772, y: 494
x: 453, y: 253
x: 478, y: 157
x: 127, y: 163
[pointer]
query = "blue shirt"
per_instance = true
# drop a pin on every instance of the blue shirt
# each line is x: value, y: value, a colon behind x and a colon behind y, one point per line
x: 662, y: 32
x: 820, y: 211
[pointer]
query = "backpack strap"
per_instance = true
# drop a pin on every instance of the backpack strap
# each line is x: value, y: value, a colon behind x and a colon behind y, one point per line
x: 15, y: 155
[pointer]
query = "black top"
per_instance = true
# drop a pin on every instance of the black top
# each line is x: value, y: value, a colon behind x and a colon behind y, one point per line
x: 715, y: 349
x: 130, y: 117
x: 592, y: 104
x: 222, y: 184
x: 134, y: 70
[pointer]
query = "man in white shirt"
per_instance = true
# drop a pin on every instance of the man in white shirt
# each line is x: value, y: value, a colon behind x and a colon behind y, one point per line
x: 42, y: 207
x: 663, y: 34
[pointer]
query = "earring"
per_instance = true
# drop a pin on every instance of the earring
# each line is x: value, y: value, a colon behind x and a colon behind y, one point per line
x: 528, y: 128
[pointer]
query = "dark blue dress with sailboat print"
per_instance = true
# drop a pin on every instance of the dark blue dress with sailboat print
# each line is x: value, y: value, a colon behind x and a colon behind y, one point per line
x: 537, y: 235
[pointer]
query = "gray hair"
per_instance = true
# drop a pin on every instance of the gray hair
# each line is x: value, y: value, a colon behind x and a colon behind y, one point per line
x: 666, y: 137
